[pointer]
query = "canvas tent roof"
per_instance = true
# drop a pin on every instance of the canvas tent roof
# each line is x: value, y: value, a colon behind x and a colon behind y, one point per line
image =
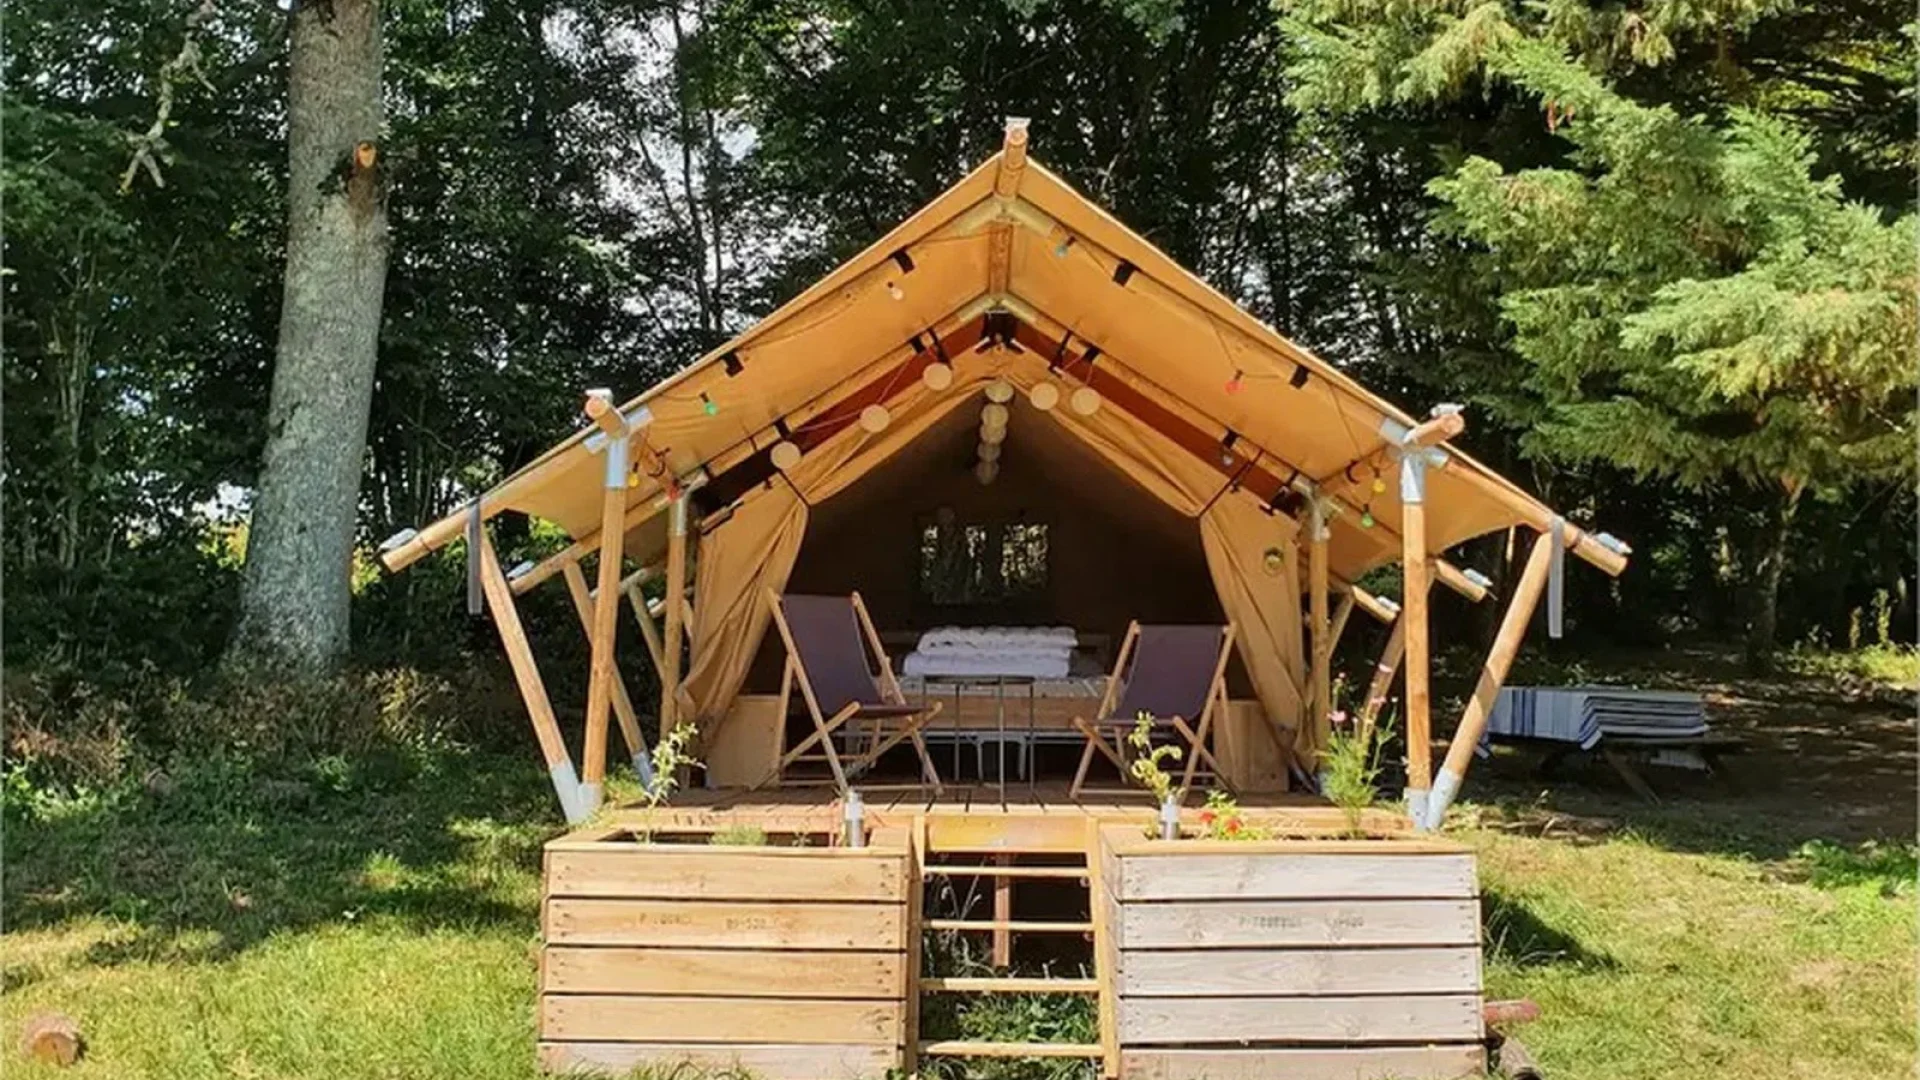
x: 1012, y: 254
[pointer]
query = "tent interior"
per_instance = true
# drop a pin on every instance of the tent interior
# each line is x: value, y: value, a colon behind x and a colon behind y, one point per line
x: 1053, y: 537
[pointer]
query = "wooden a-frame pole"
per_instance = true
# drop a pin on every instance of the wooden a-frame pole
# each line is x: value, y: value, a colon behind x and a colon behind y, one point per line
x: 1321, y: 676
x: 676, y: 621
x: 1416, y: 456
x: 606, y: 616
x: 533, y: 690
x: 1506, y: 643
x: 623, y: 711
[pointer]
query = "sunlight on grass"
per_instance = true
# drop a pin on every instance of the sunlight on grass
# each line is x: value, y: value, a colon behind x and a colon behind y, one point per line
x: 1643, y: 958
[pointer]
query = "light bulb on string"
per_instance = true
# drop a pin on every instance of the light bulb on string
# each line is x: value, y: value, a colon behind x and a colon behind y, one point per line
x: 1235, y: 384
x: 1366, y: 517
x: 894, y: 290
x: 1066, y: 244
x: 708, y: 405
x: 1379, y: 485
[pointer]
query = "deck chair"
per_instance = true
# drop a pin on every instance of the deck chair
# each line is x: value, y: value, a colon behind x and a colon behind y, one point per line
x: 1176, y: 675
x: 827, y: 640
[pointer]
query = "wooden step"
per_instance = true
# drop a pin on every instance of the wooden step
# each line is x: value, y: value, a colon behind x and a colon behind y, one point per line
x: 1017, y: 927
x: 953, y: 985
x: 1063, y: 873
x: 966, y: 1048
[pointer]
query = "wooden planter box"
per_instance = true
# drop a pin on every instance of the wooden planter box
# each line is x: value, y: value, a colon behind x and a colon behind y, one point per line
x: 790, y: 962
x: 1293, y: 959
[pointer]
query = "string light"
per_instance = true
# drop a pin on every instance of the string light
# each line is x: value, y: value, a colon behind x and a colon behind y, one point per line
x: 1044, y: 396
x: 1000, y: 391
x: 1085, y: 401
x: 894, y: 290
x: 1066, y: 243
x: 1366, y: 517
x: 707, y: 405
x: 785, y: 455
x: 937, y: 376
x: 875, y: 418
x: 1235, y: 384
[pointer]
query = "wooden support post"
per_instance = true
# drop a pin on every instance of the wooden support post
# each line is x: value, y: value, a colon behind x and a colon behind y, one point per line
x: 675, y: 616
x: 1383, y: 673
x: 649, y: 630
x: 526, y: 674
x: 1002, y: 915
x: 1506, y: 643
x: 1416, y: 574
x: 1342, y: 612
x: 1322, y: 670
x: 606, y: 617
x: 583, y: 602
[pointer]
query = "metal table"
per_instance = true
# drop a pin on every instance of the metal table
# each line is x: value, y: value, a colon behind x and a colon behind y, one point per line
x: 999, y: 684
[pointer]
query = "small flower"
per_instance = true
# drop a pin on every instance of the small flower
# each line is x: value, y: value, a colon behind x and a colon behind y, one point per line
x: 1207, y: 817
x: 1338, y: 717
x: 1233, y: 826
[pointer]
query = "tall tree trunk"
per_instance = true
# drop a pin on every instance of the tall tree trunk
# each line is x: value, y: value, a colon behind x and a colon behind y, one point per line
x: 300, y: 544
x: 1763, y: 598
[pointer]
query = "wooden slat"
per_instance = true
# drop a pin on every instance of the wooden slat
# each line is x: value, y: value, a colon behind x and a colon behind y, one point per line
x: 789, y: 1061
x: 966, y: 1048
x: 725, y: 924
x: 725, y: 972
x: 621, y: 1018
x: 1018, y: 834
x: 1012, y: 924
x: 698, y: 873
x: 1063, y: 873
x: 1241, y: 924
x: 1304, y: 972
x: 1009, y: 986
x: 1284, y: 877
x: 1307, y: 1063
x: 1101, y: 862
x: 1346, y: 1020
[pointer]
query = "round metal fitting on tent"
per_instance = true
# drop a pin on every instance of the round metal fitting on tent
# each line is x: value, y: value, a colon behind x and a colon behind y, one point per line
x: 875, y: 418
x: 937, y: 376
x: 1044, y: 396
x: 1085, y: 401
x: 1000, y: 391
x: 785, y: 455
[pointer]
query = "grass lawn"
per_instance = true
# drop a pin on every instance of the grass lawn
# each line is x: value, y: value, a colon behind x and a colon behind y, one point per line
x: 379, y: 920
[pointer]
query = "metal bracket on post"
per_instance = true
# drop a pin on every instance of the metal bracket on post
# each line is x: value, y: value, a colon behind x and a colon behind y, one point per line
x: 1557, y: 580
x: 1169, y: 819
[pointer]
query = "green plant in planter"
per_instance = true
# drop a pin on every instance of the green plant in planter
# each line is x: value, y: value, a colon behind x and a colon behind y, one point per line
x: 1222, y: 819
x: 1146, y: 767
x: 1350, y: 764
x: 670, y: 755
x: 739, y: 836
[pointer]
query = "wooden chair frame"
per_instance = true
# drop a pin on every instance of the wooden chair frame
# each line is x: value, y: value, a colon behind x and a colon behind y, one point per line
x: 1194, y: 735
x: 824, y: 726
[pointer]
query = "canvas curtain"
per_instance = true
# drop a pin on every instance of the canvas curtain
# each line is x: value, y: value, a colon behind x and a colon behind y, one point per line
x: 753, y: 550
x: 1262, y: 597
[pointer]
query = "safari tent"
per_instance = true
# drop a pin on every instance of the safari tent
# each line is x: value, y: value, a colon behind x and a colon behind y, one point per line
x: 1013, y: 359
x: 1009, y: 420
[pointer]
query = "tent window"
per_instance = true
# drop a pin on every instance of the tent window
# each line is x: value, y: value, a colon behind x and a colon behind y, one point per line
x: 981, y: 563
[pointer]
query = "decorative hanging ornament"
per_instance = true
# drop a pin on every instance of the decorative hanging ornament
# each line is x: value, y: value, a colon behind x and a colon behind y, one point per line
x: 785, y: 455
x: 1044, y: 396
x: 937, y: 376
x: 1085, y: 401
x: 1000, y: 391
x: 875, y: 418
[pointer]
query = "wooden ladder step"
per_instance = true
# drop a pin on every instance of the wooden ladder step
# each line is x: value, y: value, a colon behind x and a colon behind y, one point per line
x: 972, y: 870
x: 953, y: 985
x: 1017, y: 927
x: 966, y: 1048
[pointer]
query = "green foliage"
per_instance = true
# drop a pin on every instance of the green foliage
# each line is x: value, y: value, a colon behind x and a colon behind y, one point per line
x: 1350, y: 764
x: 739, y: 836
x: 1145, y: 767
